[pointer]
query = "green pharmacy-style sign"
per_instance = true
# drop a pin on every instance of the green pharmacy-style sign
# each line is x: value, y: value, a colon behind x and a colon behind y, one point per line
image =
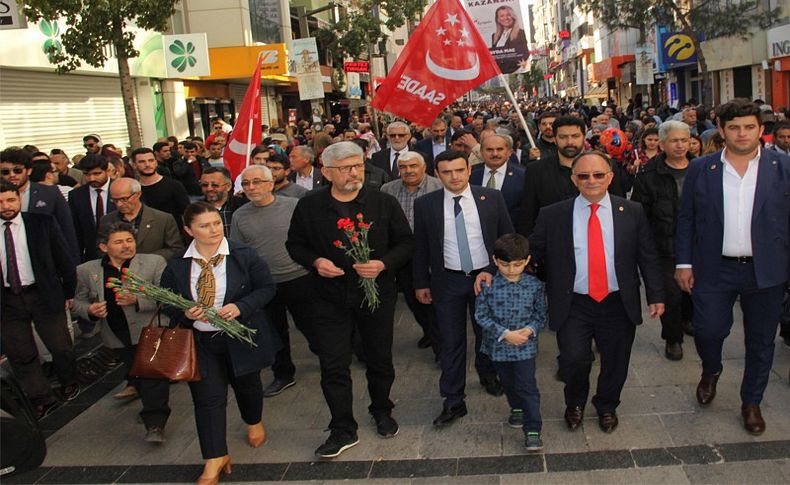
x: 52, y: 45
x: 183, y: 54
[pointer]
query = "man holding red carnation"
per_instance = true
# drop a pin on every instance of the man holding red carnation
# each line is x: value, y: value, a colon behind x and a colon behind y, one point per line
x: 340, y: 213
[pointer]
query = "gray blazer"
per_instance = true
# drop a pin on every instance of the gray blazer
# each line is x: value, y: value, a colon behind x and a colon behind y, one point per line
x: 90, y: 289
x: 158, y: 232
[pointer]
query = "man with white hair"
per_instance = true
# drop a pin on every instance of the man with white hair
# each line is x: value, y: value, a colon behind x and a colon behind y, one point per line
x: 398, y: 136
x: 659, y: 188
x: 339, y: 308
x: 263, y: 225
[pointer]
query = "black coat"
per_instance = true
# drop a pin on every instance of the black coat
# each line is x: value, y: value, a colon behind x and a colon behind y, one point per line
x: 53, y: 263
x: 250, y: 286
x: 85, y: 221
x: 655, y: 188
x: 183, y: 172
x: 314, y: 228
x: 551, y: 245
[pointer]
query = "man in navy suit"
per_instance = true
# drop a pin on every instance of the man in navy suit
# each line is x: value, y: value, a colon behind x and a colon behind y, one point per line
x: 496, y: 172
x: 731, y: 242
x: 431, y: 147
x: 90, y: 202
x: 591, y: 247
x: 455, y: 229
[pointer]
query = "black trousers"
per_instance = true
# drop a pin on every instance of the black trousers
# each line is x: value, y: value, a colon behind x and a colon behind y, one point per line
x: 424, y: 314
x: 334, y: 325
x: 16, y: 312
x: 678, y: 306
x: 451, y: 310
x: 154, y: 393
x: 290, y: 297
x: 210, y: 394
x: 608, y: 324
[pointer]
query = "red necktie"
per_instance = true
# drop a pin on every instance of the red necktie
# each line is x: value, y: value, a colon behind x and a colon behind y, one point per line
x: 596, y: 258
x: 99, y: 206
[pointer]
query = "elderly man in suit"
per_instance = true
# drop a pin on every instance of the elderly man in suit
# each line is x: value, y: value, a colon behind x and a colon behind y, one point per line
x: 15, y: 167
x: 90, y: 202
x: 731, y: 243
x: 436, y: 144
x: 455, y: 229
x: 497, y: 172
x: 38, y: 280
x: 398, y: 136
x: 303, y: 172
x: 591, y: 247
x: 122, y: 316
x: 156, y: 232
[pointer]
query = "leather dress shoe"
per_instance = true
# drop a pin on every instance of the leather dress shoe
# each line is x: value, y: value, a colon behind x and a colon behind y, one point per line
x: 492, y: 386
x: 608, y: 422
x: 673, y: 351
x: 449, y: 415
x: 573, y: 417
x: 753, y: 419
x: 706, y: 389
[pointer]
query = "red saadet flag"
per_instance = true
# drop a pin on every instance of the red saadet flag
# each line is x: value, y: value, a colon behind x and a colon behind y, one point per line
x: 445, y: 58
x: 246, y: 132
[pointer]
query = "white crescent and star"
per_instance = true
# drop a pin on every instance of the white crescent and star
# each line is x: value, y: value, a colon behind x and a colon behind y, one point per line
x: 452, y: 19
x: 453, y: 74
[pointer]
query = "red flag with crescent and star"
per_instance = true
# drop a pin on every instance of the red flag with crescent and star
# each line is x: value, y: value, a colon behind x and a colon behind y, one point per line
x: 445, y: 58
x: 247, y: 131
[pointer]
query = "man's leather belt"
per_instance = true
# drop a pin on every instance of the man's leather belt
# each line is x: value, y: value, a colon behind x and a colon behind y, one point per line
x: 471, y: 273
x: 738, y: 259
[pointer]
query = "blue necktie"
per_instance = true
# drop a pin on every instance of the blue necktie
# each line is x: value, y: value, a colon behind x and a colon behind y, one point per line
x: 460, y: 233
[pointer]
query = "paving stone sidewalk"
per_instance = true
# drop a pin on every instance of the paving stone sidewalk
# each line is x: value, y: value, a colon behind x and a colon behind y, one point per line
x: 664, y: 435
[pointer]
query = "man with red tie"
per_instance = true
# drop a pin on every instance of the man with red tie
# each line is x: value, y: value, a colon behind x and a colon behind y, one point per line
x: 591, y: 247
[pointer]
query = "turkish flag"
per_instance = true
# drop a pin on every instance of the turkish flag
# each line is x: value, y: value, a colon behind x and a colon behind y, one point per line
x: 445, y: 58
x: 246, y: 132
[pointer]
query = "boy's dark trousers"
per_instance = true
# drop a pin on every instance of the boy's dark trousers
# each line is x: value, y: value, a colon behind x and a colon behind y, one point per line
x: 521, y: 389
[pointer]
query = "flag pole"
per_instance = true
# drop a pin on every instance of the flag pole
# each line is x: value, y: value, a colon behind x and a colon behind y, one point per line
x: 518, y: 109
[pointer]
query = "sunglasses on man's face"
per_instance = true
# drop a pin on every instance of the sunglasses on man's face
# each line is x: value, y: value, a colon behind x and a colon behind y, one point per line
x: 595, y: 175
x: 17, y: 171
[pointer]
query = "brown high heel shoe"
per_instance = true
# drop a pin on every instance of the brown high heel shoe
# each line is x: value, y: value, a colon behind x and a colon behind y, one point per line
x: 213, y: 479
x: 256, y: 435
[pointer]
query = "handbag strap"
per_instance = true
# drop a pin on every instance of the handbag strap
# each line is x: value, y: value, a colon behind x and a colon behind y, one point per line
x: 157, y: 315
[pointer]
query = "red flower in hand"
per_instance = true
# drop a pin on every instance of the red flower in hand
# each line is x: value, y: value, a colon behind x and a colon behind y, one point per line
x: 360, y: 216
x: 344, y: 223
x: 354, y: 239
x: 124, y: 270
x: 337, y: 244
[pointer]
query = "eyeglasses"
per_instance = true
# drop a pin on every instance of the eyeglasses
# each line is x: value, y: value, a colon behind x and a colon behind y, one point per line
x: 211, y: 184
x: 248, y: 183
x: 123, y: 200
x: 397, y: 135
x: 348, y: 168
x: 595, y: 175
x: 17, y: 171
x: 274, y: 168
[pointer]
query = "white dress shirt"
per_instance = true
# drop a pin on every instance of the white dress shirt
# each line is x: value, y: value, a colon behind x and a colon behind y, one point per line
x: 25, y: 196
x: 474, y: 231
x: 438, y: 147
x: 306, y: 182
x: 23, y: 263
x: 220, y: 278
x: 503, y: 38
x: 581, y: 218
x: 738, y: 204
x: 105, y: 196
x: 499, y: 175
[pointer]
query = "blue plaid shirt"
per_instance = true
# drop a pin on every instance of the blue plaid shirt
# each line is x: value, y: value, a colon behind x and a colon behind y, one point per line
x: 511, y: 306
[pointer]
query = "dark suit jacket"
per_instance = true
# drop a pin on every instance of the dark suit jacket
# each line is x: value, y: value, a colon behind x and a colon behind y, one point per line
x: 700, y: 229
x: 318, y: 178
x: 381, y: 159
x: 53, y: 264
x: 157, y: 234
x: 512, y: 187
x: 551, y: 245
x: 429, y: 233
x: 250, y: 286
x: 425, y: 147
x: 84, y: 221
x: 49, y: 200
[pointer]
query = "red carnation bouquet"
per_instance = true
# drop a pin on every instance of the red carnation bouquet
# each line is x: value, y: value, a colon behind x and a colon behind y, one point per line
x: 134, y: 284
x: 359, y: 251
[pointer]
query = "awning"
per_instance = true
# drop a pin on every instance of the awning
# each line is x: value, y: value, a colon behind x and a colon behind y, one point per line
x: 597, y: 92
x: 609, y: 68
x: 240, y: 62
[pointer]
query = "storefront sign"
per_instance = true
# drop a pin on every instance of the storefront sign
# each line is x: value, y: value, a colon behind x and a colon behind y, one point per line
x: 677, y: 49
x: 358, y: 66
x: 644, y: 64
x: 186, y: 55
x: 10, y: 18
x: 779, y: 42
x: 303, y: 62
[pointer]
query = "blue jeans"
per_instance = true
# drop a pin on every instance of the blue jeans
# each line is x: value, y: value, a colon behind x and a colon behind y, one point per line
x: 521, y: 389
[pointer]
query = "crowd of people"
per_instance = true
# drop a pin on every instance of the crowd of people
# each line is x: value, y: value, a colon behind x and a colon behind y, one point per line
x: 465, y: 218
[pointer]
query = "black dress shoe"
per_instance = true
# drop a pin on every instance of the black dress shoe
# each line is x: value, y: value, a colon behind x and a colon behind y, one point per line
x: 573, y: 417
x: 44, y: 410
x: 673, y: 351
x: 449, y: 415
x: 608, y: 422
x: 492, y: 385
x: 706, y: 389
x: 753, y: 419
x: 424, y: 343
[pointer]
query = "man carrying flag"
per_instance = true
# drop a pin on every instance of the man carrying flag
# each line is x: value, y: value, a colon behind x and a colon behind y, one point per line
x: 445, y: 58
x: 247, y: 131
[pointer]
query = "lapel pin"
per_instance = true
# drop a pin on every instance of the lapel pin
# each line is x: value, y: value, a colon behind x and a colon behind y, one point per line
x: 148, y: 226
x: 482, y: 197
x: 774, y: 162
x: 511, y: 173
x: 620, y: 209
x: 713, y: 167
